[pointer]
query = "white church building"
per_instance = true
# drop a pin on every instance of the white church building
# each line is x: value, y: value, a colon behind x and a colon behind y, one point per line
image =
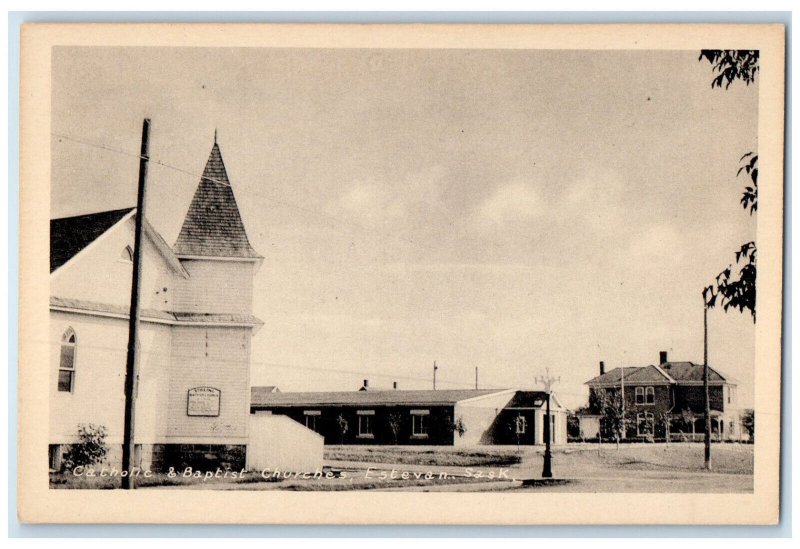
x: 193, y: 401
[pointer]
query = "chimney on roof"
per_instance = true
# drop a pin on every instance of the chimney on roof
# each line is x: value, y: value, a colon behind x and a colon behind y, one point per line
x: 662, y: 357
x: 394, y: 385
x: 602, y: 367
x: 365, y: 386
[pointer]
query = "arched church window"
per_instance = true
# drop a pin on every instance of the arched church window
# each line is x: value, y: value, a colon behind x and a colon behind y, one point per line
x: 66, y: 364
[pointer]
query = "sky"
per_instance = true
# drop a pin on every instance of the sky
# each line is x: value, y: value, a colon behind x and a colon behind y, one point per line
x: 515, y: 211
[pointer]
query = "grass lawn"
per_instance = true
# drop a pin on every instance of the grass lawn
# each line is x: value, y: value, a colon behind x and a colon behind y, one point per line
x: 580, y: 460
x: 438, y: 456
x: 576, y: 459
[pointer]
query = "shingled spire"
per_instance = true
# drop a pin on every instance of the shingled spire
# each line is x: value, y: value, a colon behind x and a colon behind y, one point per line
x: 213, y: 226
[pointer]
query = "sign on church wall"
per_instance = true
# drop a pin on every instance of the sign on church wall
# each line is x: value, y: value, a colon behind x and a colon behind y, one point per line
x: 203, y: 401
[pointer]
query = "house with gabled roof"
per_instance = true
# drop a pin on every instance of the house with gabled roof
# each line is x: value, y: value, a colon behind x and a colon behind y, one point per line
x: 193, y: 397
x: 668, y: 397
x: 447, y: 417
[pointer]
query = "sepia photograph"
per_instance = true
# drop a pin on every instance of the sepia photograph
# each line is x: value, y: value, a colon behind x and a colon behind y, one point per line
x: 478, y: 269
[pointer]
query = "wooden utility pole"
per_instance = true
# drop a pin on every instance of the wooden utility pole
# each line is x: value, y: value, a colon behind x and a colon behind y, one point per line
x: 132, y: 363
x: 547, y: 380
x: 435, y: 367
x: 476, y: 377
x: 707, y: 453
x: 624, y: 432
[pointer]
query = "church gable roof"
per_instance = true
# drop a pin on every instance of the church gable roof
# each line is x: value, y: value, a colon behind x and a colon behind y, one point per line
x: 213, y: 226
x: 70, y: 235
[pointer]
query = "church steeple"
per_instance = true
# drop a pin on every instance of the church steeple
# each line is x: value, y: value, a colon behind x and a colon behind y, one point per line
x: 213, y: 226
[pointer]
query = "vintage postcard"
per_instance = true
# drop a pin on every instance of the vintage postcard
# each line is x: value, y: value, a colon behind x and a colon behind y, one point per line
x: 399, y: 274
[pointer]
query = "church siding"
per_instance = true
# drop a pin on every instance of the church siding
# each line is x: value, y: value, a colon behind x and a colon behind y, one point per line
x: 215, y: 287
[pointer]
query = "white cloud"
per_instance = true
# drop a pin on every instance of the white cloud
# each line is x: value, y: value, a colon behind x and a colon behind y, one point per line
x: 512, y: 203
x: 657, y: 242
x: 383, y: 203
x: 370, y: 204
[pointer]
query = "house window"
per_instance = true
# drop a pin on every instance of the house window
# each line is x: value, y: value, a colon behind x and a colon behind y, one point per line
x: 419, y: 423
x: 126, y: 254
x: 645, y: 395
x: 644, y: 424
x: 66, y: 365
x: 521, y: 425
x: 365, y: 423
x: 312, y: 418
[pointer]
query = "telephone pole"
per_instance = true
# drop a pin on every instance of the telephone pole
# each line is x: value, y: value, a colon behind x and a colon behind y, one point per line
x: 624, y: 425
x: 435, y: 367
x: 132, y: 362
x: 476, y: 377
x: 547, y: 380
x: 707, y: 453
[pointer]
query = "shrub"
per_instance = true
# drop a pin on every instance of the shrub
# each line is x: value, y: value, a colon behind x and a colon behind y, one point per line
x: 459, y: 427
x: 341, y: 422
x: 749, y: 423
x: 90, y: 449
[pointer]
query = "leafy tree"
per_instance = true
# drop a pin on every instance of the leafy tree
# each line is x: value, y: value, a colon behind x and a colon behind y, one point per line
x: 732, y: 65
x: 749, y: 423
x: 459, y: 426
x: 688, y: 417
x: 614, y: 415
x: 730, y: 289
x: 595, y: 401
x: 90, y: 449
x: 341, y: 422
x: 395, y: 424
x: 666, y: 420
x: 574, y: 426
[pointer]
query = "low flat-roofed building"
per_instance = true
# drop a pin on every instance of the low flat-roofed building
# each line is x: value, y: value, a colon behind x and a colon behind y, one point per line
x: 452, y: 417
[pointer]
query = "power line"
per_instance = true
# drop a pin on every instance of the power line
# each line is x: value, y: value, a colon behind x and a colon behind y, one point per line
x: 269, y: 198
x: 272, y: 364
x: 297, y: 367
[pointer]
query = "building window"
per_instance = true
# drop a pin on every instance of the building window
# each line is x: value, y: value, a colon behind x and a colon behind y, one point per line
x: 66, y: 365
x: 521, y: 425
x: 644, y: 424
x: 365, y: 423
x: 312, y: 419
x: 419, y: 423
x: 645, y: 395
x: 126, y: 254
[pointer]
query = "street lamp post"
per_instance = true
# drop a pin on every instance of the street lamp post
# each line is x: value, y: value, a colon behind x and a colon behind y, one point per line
x: 547, y: 381
x: 707, y: 453
x: 547, y: 471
